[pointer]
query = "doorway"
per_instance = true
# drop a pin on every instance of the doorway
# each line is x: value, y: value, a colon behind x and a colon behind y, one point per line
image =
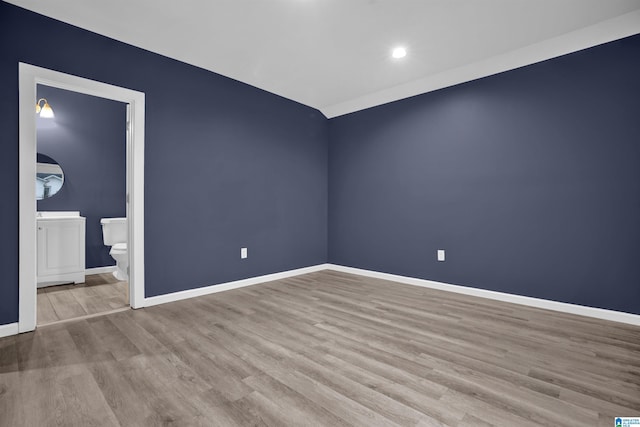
x: 29, y: 77
x: 80, y: 180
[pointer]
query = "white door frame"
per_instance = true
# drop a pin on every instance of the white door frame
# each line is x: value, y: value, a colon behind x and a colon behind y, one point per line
x: 29, y: 77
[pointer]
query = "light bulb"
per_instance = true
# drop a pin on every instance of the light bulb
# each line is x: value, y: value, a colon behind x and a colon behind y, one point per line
x: 399, y: 52
x: 46, y: 112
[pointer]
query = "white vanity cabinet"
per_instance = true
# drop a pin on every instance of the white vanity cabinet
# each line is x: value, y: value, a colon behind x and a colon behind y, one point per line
x: 61, y: 248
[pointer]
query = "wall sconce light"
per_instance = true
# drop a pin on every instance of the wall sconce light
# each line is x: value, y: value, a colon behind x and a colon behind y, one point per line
x: 45, y: 111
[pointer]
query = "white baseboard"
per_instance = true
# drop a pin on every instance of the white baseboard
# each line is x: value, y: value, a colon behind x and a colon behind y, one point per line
x: 191, y: 293
x: 598, y: 313
x: 100, y: 270
x: 8, y: 329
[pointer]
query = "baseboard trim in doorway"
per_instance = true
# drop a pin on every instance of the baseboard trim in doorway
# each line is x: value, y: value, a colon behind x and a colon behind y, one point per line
x: 8, y: 329
x: 86, y: 316
x: 598, y: 313
x: 100, y: 270
x: 191, y: 293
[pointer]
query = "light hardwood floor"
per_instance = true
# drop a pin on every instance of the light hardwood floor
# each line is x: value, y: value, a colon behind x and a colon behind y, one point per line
x: 323, y: 349
x: 99, y: 294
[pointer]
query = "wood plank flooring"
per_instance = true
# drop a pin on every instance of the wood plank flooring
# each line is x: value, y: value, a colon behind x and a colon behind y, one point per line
x: 323, y: 349
x: 99, y: 294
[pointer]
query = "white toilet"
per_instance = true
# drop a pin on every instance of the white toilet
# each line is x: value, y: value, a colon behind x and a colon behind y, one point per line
x: 114, y: 234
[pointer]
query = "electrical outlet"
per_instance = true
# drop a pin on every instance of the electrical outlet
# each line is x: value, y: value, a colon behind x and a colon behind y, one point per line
x: 243, y: 253
x: 440, y: 254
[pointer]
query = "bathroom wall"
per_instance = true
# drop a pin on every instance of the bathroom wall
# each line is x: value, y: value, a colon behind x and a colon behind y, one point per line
x: 529, y: 180
x: 226, y: 165
x: 87, y: 138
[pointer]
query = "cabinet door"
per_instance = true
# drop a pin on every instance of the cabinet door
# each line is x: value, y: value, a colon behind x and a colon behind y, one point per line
x: 60, y: 247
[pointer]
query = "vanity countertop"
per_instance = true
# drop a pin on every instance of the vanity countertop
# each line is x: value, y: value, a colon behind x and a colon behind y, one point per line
x: 58, y: 215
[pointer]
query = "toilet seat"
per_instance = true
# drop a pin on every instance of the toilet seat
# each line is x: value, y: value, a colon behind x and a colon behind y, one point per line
x: 119, y: 247
x: 118, y: 251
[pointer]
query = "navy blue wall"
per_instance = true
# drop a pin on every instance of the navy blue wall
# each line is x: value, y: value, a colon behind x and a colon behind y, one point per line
x: 87, y: 138
x: 530, y: 180
x: 226, y: 165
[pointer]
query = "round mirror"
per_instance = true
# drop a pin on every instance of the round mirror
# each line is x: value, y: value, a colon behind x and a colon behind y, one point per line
x: 49, y: 177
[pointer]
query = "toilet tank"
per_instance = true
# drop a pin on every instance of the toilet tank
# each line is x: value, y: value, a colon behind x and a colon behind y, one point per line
x: 114, y: 230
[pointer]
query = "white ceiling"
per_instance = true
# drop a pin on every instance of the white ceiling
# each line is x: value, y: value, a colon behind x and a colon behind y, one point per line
x: 334, y: 55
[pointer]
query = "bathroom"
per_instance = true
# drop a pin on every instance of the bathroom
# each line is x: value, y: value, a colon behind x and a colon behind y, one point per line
x: 86, y: 141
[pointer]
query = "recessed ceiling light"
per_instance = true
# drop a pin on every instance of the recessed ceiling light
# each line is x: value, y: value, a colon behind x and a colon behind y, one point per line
x: 399, y: 52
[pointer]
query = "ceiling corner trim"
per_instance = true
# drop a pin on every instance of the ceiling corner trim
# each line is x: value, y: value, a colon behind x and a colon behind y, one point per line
x: 606, y: 31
